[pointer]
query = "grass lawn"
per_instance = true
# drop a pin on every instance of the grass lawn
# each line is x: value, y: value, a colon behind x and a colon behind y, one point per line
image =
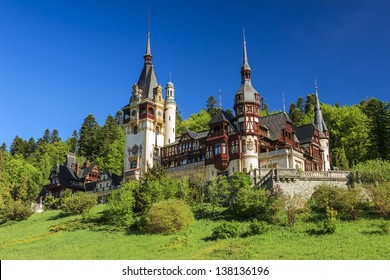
x: 33, y: 240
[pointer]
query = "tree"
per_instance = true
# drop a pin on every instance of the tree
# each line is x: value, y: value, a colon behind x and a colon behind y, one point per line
x: 211, y: 103
x: 19, y: 147
x: 301, y: 104
x: 31, y: 146
x: 88, y: 143
x: 54, y: 137
x: 379, y: 119
x: 349, y: 130
x: 264, y: 107
x: 119, y: 118
x: 197, y: 122
x: 3, y: 147
x: 72, y: 142
x: 296, y: 115
x: 78, y: 203
x: 107, y: 135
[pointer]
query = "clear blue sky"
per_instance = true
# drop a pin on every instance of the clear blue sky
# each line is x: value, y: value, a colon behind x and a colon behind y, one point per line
x: 61, y: 60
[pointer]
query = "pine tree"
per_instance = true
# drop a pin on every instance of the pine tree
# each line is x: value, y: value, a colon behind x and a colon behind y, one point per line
x: 19, y: 147
x: 264, y: 107
x: 211, y: 103
x: 3, y: 147
x: 119, y: 118
x: 54, y: 137
x: 89, y: 140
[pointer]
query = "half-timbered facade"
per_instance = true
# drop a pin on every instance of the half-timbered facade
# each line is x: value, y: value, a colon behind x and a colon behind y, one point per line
x: 243, y: 142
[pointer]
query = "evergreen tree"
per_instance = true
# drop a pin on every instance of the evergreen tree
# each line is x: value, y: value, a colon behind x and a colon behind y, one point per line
x: 19, y: 147
x: 72, y: 142
x: 119, y: 118
x: 54, y: 137
x: 264, y: 107
x: 88, y: 142
x: 211, y: 106
x: 31, y: 146
x: 310, y: 103
x: 301, y: 104
x: 379, y: 118
x: 3, y: 147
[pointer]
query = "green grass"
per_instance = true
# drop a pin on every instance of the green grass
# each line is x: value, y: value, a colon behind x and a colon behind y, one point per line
x: 32, y: 239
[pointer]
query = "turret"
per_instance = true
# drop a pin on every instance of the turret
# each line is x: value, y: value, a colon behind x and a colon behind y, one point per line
x: 320, y: 125
x: 170, y: 114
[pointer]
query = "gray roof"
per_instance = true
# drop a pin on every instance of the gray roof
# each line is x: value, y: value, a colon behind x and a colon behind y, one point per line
x: 221, y: 116
x: 318, y: 119
x: 248, y: 92
x: 197, y: 135
x: 305, y: 133
x: 275, y: 123
x: 147, y: 81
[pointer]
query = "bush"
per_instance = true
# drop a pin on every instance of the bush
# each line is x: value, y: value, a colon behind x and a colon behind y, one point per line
x: 16, y: 210
x: 51, y: 202
x: 78, y: 202
x: 385, y: 227
x: 121, y: 204
x: 371, y: 171
x: 168, y: 216
x: 256, y: 228
x: 253, y: 203
x: 291, y: 204
x: 380, y: 195
x: 347, y: 202
x: 226, y: 230
x: 330, y: 224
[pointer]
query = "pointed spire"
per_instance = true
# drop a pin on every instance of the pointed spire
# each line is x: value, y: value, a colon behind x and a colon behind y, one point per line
x: 220, y: 99
x: 319, y: 122
x: 245, y: 68
x: 245, y: 64
x: 148, y: 53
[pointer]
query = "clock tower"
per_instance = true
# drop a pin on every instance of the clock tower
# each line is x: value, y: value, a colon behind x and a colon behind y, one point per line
x: 143, y: 121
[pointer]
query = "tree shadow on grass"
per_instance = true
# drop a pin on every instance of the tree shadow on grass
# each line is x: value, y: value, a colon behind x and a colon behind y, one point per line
x: 374, y: 232
x: 60, y: 216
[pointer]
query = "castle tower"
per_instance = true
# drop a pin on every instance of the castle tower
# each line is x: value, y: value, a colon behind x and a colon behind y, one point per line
x: 170, y: 114
x: 143, y: 121
x: 247, y: 109
x: 320, y: 125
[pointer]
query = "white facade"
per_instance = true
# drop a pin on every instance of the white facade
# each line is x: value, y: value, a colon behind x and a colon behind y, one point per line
x: 170, y: 114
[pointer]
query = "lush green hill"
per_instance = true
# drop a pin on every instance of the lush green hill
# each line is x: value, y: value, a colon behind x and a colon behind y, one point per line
x: 33, y: 239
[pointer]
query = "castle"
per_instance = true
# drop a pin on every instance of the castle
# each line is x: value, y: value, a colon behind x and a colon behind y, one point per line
x: 244, y: 142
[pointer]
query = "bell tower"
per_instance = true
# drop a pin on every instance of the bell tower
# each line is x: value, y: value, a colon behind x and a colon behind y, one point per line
x: 247, y: 109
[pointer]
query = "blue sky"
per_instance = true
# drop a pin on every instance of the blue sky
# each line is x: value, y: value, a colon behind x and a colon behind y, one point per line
x: 61, y: 60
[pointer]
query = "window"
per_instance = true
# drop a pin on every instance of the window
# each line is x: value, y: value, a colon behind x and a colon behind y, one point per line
x: 224, y: 148
x: 169, y: 117
x: 151, y: 111
x: 217, y: 149
x: 243, y: 146
x: 133, y: 164
x: 135, y: 129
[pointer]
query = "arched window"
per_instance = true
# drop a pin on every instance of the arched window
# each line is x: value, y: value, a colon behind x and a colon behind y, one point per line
x: 133, y: 164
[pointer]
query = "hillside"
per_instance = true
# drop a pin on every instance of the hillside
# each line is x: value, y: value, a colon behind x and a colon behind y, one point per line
x: 33, y: 239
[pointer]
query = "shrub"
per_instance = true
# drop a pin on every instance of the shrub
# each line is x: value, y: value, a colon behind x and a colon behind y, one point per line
x: 380, y: 195
x: 16, y: 210
x: 78, y: 202
x: 226, y: 230
x: 256, y: 228
x: 347, y: 202
x: 168, y: 216
x: 255, y: 203
x: 121, y: 204
x: 371, y: 171
x: 330, y: 224
x: 385, y: 227
x: 51, y: 202
x: 291, y: 204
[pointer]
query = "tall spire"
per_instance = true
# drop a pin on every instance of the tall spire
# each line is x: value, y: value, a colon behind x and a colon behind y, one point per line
x: 148, y: 53
x: 319, y: 122
x: 245, y: 69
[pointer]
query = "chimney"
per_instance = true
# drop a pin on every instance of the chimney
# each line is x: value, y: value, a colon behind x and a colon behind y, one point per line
x: 77, y: 168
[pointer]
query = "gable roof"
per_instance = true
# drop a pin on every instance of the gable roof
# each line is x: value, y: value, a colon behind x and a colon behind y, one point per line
x: 305, y: 133
x: 275, y: 123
